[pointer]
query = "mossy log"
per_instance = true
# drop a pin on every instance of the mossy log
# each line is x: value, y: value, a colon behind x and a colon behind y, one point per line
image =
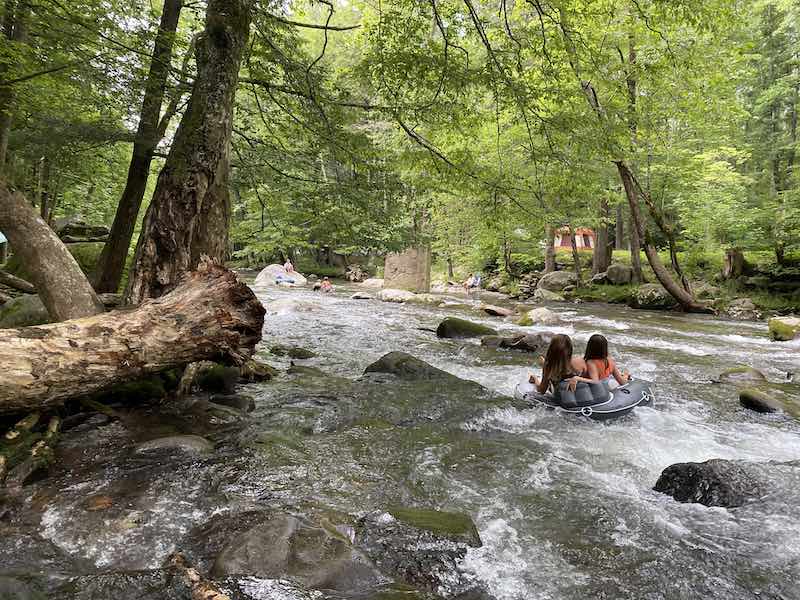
x: 209, y: 315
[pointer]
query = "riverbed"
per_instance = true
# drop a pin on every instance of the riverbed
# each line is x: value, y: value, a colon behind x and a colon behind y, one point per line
x: 564, y: 506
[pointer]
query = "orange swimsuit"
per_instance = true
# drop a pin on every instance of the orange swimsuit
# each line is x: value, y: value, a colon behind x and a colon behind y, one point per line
x: 605, y: 370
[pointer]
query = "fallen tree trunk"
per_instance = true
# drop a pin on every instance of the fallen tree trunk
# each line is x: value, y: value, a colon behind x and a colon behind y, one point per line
x: 17, y: 283
x: 210, y: 315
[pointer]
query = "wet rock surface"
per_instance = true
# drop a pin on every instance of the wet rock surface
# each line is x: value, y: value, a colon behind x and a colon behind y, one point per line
x: 715, y: 482
x: 453, y: 327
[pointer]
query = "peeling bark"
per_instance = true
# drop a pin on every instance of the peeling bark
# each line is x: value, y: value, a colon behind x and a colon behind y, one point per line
x: 209, y: 316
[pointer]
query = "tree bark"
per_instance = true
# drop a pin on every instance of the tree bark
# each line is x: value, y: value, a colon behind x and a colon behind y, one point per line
x: 62, y: 286
x: 635, y: 249
x: 735, y: 264
x: 209, y: 316
x: 17, y: 283
x: 15, y: 29
x: 619, y: 233
x: 684, y: 298
x: 115, y: 252
x: 601, y: 258
x: 550, y: 249
x: 575, y: 257
x: 186, y: 207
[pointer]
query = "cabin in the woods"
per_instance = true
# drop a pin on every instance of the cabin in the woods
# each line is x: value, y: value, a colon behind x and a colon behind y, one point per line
x: 584, y: 238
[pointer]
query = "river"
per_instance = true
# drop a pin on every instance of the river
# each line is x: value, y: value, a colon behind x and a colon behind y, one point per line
x: 564, y: 506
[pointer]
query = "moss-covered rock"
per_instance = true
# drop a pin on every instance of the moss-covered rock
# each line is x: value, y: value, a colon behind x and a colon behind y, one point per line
x: 219, y: 378
x: 23, y: 311
x: 539, y: 316
x: 784, y: 329
x: 652, y: 296
x: 87, y: 254
x: 759, y: 401
x: 453, y: 327
x: 741, y: 374
x: 453, y: 526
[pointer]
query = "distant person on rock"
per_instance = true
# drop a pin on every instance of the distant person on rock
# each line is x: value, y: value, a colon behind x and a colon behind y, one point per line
x: 469, y: 283
x: 288, y: 266
x: 326, y: 285
x: 600, y: 366
x: 559, y: 365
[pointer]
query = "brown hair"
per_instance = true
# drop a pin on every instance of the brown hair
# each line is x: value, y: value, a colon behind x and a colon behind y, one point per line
x: 597, y: 349
x: 558, y: 360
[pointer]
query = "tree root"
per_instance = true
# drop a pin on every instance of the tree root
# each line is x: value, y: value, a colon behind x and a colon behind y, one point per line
x: 40, y: 455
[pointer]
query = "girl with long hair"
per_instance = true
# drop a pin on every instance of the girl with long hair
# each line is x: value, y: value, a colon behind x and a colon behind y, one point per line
x: 599, y: 365
x: 560, y: 365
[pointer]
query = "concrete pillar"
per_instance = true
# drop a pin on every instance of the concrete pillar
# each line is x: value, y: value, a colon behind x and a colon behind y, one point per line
x: 408, y: 270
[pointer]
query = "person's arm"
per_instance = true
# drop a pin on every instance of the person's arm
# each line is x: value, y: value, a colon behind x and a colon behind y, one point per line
x: 541, y: 385
x: 622, y: 378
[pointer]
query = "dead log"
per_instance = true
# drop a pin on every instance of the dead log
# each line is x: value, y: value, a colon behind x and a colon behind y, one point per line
x: 210, y: 315
x: 17, y: 283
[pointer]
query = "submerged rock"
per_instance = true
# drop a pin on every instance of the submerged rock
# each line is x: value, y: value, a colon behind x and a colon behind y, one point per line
x: 556, y: 281
x: 716, y: 482
x: 784, y: 329
x: 372, y: 283
x: 295, y: 352
x: 539, y: 316
x: 185, y: 443
x: 759, y: 401
x: 423, y: 548
x: 741, y: 374
x: 453, y: 327
x: 523, y: 342
x: 240, y: 402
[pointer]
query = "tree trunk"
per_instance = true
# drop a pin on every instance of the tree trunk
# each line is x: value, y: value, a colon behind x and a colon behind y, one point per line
x: 192, y: 184
x: 683, y: 297
x: 210, y: 315
x: 601, y: 258
x: 735, y: 264
x: 635, y: 250
x: 575, y: 257
x: 62, y: 286
x: 450, y: 273
x: 17, y: 283
x: 15, y: 29
x: 619, y: 233
x: 550, y: 249
x: 115, y: 252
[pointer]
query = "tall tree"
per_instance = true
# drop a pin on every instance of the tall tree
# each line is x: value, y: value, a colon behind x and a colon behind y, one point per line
x: 189, y: 210
x: 115, y: 252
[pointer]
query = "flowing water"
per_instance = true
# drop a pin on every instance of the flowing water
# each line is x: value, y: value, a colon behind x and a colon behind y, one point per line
x: 564, y: 506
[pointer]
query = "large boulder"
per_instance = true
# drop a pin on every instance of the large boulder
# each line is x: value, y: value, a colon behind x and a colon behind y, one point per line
x: 742, y: 374
x: 715, y: 482
x: 784, y: 329
x: 372, y: 283
x: 422, y: 548
x: 556, y: 281
x: 542, y: 295
x: 23, y: 311
x: 652, y: 296
x: 409, y: 270
x: 392, y: 295
x: 76, y: 227
x: 619, y: 274
x: 522, y: 341
x: 453, y: 327
x: 539, y: 316
x: 277, y: 275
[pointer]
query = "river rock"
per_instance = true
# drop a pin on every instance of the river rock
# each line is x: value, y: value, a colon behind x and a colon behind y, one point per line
x: 14, y: 589
x: 716, y: 482
x: 619, y: 274
x: 406, y: 366
x: 784, y: 329
x: 186, y: 443
x: 422, y: 548
x: 743, y: 309
x: 742, y: 374
x: 522, y: 341
x: 77, y: 228
x: 361, y: 296
x: 425, y: 298
x: 759, y: 401
x: 23, y: 311
x: 652, y: 296
x: 372, y: 283
x: 218, y: 378
x: 497, y: 311
x: 241, y: 402
x: 295, y: 352
x: 539, y: 316
x: 271, y: 274
x: 157, y: 584
x: 542, y: 295
x: 397, y: 296
x: 287, y: 305
x: 705, y: 290
x: 599, y: 279
x: 556, y: 281
x: 453, y: 327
